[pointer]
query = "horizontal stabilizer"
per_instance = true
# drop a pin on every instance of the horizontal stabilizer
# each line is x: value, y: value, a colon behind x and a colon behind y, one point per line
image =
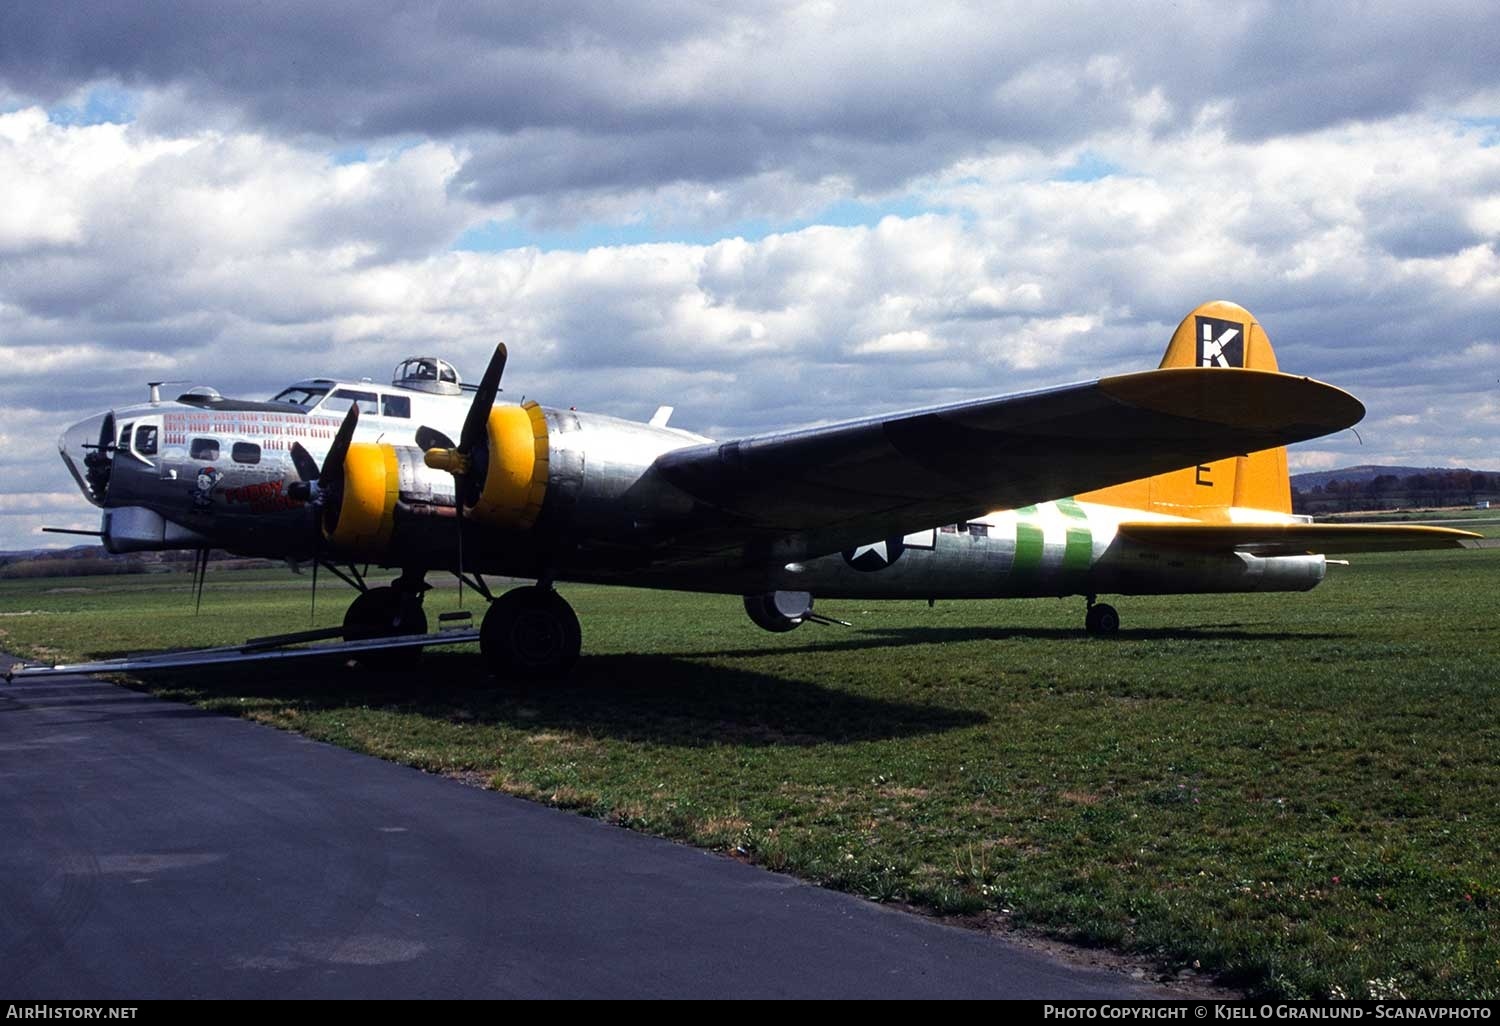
x: 1295, y: 539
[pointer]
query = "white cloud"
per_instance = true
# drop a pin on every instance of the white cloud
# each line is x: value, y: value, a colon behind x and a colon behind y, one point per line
x: 899, y: 343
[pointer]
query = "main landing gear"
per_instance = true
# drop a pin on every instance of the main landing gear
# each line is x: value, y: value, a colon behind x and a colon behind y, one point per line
x: 388, y: 612
x: 1102, y: 619
x: 530, y: 632
x: 384, y: 612
x: 526, y: 632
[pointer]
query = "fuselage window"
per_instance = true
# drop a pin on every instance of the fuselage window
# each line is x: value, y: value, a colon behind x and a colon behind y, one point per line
x: 343, y: 398
x: 979, y: 530
x: 949, y: 528
x: 206, y: 449
x: 145, y: 439
x: 245, y: 452
x: 395, y: 405
x: 300, y: 396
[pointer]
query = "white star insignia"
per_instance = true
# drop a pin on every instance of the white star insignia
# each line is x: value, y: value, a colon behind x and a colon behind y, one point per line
x: 878, y: 548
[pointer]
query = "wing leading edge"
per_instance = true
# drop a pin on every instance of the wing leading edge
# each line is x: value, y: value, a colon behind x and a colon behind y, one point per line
x: 823, y: 489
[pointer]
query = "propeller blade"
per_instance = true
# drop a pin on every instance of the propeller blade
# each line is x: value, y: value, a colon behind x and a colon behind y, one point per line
x: 333, y: 463
x: 331, y: 478
x: 304, y: 464
x: 432, y: 438
x: 484, y: 399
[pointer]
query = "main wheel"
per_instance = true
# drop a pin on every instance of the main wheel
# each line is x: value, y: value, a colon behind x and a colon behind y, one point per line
x: 382, y: 613
x: 1102, y: 620
x: 530, y: 632
x: 386, y: 613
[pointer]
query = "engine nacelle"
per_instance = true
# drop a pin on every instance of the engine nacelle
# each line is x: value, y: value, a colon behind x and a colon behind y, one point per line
x: 511, y: 479
x: 779, y: 611
x: 360, y: 513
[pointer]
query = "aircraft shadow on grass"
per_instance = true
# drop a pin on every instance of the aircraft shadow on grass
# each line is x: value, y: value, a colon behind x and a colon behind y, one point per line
x: 900, y: 637
x: 664, y: 699
x: 654, y: 699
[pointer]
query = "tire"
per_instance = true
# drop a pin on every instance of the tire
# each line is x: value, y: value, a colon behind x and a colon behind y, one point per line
x: 379, y: 613
x: 1102, y: 621
x: 530, y: 632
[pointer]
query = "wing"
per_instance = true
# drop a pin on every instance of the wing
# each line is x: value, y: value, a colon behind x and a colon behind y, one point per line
x: 801, y: 493
x: 1297, y: 539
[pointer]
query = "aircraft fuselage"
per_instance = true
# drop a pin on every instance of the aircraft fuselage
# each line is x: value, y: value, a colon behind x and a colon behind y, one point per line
x: 220, y: 475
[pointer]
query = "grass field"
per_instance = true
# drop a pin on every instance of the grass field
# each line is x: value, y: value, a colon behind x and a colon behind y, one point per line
x: 1297, y: 792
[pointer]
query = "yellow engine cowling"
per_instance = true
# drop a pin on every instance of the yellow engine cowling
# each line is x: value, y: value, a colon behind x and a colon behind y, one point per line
x: 361, y: 521
x: 515, y: 479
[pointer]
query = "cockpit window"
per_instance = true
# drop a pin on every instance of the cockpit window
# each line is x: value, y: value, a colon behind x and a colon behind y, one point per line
x: 343, y: 398
x: 395, y: 405
x: 245, y: 452
x: 145, y: 439
x: 206, y: 449
x: 300, y: 395
x: 124, y: 442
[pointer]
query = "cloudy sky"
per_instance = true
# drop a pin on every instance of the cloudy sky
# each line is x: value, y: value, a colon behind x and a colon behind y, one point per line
x: 765, y: 216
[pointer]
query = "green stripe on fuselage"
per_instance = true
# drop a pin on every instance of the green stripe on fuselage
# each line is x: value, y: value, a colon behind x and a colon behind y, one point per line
x: 1078, y: 551
x: 1029, y: 545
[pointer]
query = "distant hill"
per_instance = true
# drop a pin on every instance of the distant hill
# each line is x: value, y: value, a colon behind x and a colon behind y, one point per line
x: 1368, y: 487
x: 87, y: 560
x: 72, y: 552
x: 1362, y: 473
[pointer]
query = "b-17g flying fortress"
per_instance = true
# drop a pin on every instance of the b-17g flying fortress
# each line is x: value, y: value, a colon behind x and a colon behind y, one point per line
x: 1162, y: 482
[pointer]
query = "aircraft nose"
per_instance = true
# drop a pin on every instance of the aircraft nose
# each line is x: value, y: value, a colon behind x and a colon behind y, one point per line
x: 87, y: 449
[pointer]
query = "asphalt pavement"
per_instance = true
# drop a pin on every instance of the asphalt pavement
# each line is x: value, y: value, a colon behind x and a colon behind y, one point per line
x: 149, y: 849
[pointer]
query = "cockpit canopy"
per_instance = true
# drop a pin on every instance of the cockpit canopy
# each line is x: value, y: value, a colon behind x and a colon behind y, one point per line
x: 427, y: 374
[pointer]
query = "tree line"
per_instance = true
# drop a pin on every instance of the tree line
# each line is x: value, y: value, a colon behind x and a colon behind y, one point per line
x: 1392, y: 491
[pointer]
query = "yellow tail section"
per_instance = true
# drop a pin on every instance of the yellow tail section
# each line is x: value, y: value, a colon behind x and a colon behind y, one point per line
x: 1216, y: 334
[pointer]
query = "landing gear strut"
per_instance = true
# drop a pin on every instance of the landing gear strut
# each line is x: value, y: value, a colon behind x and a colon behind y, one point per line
x: 530, y: 632
x: 1102, y: 619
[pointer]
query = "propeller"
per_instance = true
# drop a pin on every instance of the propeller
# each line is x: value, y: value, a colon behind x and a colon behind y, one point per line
x: 331, y: 478
x: 472, y: 450
x: 307, y: 472
x: 310, y: 487
x: 318, y: 485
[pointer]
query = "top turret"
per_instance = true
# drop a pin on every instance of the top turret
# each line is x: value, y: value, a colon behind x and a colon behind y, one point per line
x: 427, y: 374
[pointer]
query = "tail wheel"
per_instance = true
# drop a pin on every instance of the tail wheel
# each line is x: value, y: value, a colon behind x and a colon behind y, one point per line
x: 1102, y: 620
x: 530, y: 632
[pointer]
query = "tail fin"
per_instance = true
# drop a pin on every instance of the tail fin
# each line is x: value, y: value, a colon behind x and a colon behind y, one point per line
x: 1216, y: 334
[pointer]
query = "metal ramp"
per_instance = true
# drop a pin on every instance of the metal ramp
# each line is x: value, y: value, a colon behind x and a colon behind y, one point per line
x: 301, y: 645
